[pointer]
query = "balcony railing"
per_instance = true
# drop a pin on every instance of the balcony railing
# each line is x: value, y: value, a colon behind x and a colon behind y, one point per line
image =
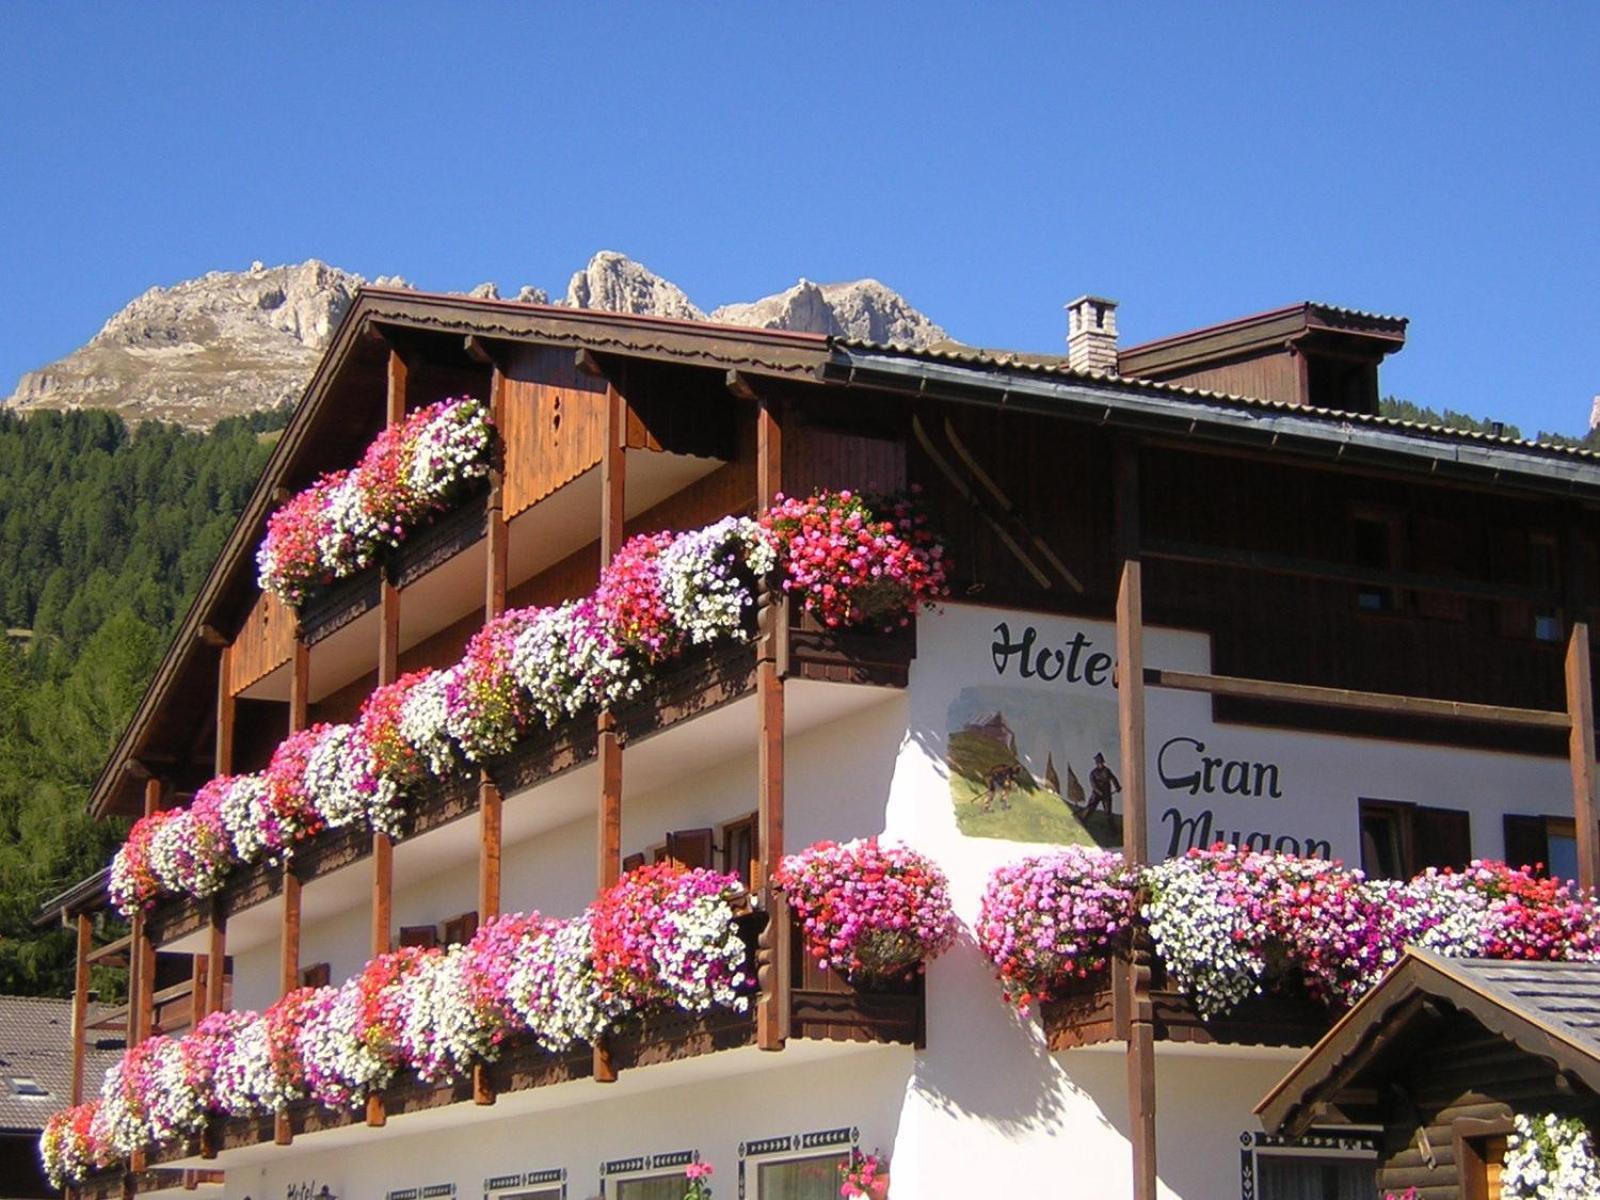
x: 700, y: 683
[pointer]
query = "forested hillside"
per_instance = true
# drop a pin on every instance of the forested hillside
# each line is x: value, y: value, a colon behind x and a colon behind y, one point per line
x: 105, y: 535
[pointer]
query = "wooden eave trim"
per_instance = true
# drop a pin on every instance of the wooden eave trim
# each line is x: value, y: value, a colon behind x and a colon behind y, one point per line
x: 1221, y: 349
x: 1351, y: 1044
x: 768, y: 352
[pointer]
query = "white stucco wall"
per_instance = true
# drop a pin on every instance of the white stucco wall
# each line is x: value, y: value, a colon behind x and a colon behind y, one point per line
x: 986, y: 1109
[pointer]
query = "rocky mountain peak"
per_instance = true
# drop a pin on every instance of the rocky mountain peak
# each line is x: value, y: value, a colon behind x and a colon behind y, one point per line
x: 231, y: 342
x: 616, y: 283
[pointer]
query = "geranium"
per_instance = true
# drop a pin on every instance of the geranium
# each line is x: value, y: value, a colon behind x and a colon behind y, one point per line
x: 383, y: 996
x: 149, y: 1097
x: 864, y: 1175
x: 391, y: 764
x: 424, y: 723
x: 202, y: 856
x: 698, y: 1175
x: 245, y: 814
x: 665, y: 936
x: 629, y: 601
x: 443, y: 1030
x: 134, y: 883
x: 1054, y: 918
x: 874, y: 913
x: 344, y: 521
x: 288, y: 809
x: 485, y: 710
x: 68, y: 1147
x: 1550, y: 1158
x: 855, y: 563
x: 336, y: 778
x: 553, y: 989
x: 707, y: 578
x: 222, y: 1041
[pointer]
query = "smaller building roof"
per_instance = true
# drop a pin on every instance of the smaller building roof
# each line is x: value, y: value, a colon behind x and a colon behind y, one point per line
x: 1548, y: 1009
x: 36, y: 1061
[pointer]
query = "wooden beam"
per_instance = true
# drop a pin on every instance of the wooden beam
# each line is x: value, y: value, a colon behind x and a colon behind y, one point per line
x: 588, y: 363
x: 227, y: 713
x: 199, y: 982
x: 1580, y: 751
x: 1134, y: 970
x: 300, y: 686
x: 80, y: 1004
x: 773, y: 974
x: 1379, y: 702
x: 216, y: 951
x: 210, y: 635
x: 396, y: 382
x: 1331, y: 572
x: 740, y: 384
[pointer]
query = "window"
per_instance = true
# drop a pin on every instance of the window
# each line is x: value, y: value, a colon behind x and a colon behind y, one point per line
x: 27, y: 1085
x: 739, y: 849
x: 316, y: 975
x: 1547, y: 842
x: 814, y: 1178
x: 1376, y: 543
x: 1399, y: 839
x: 796, y: 1166
x: 1328, y: 1165
x: 534, y: 1185
x: 669, y: 1186
x: 1290, y: 1177
x: 647, y: 1177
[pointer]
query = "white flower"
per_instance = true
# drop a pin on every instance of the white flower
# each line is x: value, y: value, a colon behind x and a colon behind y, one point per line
x: 425, y: 723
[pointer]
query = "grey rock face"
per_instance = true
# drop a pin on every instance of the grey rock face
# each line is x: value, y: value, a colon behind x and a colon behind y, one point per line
x: 615, y: 283
x: 232, y: 342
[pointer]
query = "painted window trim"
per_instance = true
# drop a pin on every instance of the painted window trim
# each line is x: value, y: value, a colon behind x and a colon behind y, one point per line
x: 1346, y: 1143
x: 518, y: 1184
x: 844, y: 1138
x: 643, y: 1166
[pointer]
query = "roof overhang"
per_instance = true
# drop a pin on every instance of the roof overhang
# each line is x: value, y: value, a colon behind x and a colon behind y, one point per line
x: 1420, y: 983
x: 1331, y: 329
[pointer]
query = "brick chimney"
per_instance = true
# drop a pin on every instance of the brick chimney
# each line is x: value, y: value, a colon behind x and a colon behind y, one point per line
x: 1092, y: 335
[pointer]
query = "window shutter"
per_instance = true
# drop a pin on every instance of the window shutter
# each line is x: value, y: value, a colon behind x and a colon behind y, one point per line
x: 460, y: 930
x: 1442, y: 837
x: 692, y: 847
x: 316, y: 975
x: 425, y: 936
x: 1526, y: 840
x: 632, y: 863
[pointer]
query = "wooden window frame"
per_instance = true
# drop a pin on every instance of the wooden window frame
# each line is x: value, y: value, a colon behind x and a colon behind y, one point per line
x: 1406, y: 813
x: 1469, y: 1135
x: 1394, y: 520
x: 752, y: 869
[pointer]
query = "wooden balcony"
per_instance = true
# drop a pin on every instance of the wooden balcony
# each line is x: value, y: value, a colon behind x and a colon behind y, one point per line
x: 1097, y: 1013
x: 830, y: 1018
x: 707, y: 681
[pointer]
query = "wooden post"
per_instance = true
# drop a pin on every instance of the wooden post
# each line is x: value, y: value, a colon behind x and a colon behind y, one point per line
x: 216, y: 951
x: 289, y: 934
x: 772, y: 954
x: 1134, y: 972
x: 80, y: 1004
x: 613, y: 516
x: 199, y: 974
x: 142, y: 951
x: 213, y: 999
x: 494, y: 604
x: 1580, y: 749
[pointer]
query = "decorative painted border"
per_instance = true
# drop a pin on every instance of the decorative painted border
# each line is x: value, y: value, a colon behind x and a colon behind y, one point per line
x: 506, y: 1187
x: 645, y: 1164
x: 790, y: 1145
x: 1358, y: 1141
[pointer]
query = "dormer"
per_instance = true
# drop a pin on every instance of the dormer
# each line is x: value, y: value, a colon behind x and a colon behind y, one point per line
x: 1311, y: 355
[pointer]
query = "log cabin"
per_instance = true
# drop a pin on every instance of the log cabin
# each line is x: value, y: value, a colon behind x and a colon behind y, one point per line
x: 1206, y: 566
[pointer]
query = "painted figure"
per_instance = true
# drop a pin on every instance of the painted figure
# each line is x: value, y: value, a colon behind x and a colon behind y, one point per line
x: 1001, y: 782
x: 1102, y: 786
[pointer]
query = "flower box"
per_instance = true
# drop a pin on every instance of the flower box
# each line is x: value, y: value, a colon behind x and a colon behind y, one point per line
x: 860, y: 656
x: 328, y: 609
x: 705, y: 678
x: 544, y: 754
x: 1090, y: 1014
x: 439, y: 801
x: 827, y: 1006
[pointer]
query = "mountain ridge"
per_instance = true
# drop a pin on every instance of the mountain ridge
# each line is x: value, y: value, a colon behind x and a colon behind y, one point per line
x: 230, y: 343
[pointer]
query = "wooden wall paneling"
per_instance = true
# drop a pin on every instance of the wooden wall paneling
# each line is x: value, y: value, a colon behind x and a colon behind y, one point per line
x: 264, y: 643
x: 553, y: 426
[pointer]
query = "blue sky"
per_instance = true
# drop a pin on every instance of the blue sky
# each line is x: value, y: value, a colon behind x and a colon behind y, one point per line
x: 1193, y: 161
